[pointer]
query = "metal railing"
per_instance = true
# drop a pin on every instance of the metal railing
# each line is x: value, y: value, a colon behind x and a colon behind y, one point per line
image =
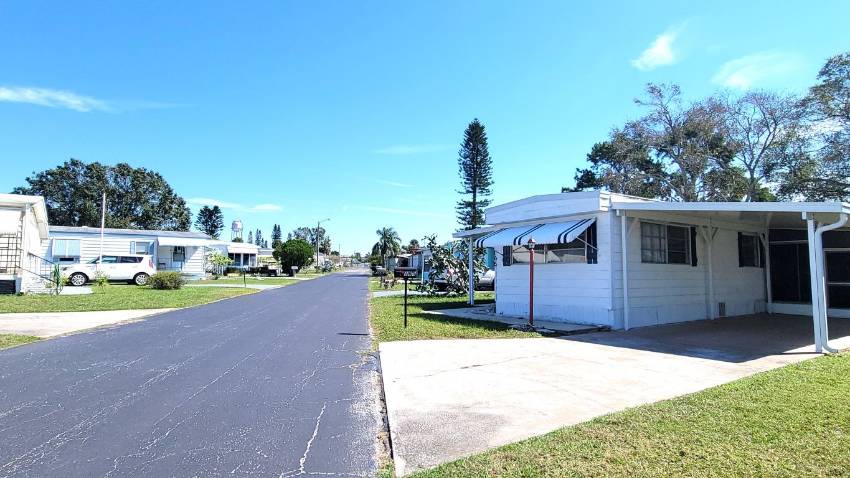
x: 41, y: 267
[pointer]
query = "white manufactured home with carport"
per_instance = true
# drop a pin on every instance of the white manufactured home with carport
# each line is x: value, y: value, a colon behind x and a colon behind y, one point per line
x: 622, y: 261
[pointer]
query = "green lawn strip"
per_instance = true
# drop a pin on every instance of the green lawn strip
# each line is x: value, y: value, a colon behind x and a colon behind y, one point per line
x: 118, y: 297
x: 12, y: 340
x: 375, y: 284
x: 789, y: 422
x: 388, y: 325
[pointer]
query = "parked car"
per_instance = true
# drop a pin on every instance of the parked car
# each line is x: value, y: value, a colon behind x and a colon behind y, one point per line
x: 486, y: 281
x: 135, y: 269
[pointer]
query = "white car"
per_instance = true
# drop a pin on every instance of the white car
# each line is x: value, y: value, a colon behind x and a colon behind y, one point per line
x: 135, y: 268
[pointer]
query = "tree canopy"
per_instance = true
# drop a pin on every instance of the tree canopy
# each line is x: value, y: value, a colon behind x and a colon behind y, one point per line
x: 757, y: 146
x: 389, y: 243
x: 210, y: 221
x: 136, y: 198
x: 476, y: 176
x: 294, y: 252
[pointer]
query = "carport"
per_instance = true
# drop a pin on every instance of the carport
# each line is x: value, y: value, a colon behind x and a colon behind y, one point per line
x: 768, y: 220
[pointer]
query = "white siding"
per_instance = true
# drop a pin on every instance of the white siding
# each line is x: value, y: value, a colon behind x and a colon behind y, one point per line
x: 669, y: 293
x: 120, y: 244
x: 563, y: 292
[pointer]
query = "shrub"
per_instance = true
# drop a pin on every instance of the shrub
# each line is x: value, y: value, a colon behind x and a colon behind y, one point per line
x: 166, y: 280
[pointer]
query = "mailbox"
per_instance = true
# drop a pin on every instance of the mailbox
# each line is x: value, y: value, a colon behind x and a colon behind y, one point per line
x: 406, y: 272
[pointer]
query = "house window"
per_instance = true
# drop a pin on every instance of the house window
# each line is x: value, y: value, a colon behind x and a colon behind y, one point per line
x: 664, y: 244
x: 142, y: 247
x: 581, y: 250
x: 179, y: 254
x: 749, y: 250
x: 66, y: 251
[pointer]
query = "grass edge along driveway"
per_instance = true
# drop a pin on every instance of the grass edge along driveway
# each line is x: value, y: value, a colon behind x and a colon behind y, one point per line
x: 118, y: 297
x: 791, y: 422
x: 13, y: 340
x: 387, y: 317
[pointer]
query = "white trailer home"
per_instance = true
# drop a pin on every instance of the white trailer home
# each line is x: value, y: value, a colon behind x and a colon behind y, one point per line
x: 23, y: 226
x: 621, y: 261
x: 184, y: 252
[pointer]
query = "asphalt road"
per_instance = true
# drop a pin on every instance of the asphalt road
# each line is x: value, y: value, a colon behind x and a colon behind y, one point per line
x: 272, y: 384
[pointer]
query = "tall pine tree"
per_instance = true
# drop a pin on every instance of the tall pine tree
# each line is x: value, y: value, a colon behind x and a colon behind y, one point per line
x: 277, y: 236
x: 476, y: 176
x: 210, y: 221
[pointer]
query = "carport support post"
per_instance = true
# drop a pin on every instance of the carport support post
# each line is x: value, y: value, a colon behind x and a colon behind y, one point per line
x: 624, y: 241
x: 471, y: 258
x: 813, y: 272
x: 766, y: 247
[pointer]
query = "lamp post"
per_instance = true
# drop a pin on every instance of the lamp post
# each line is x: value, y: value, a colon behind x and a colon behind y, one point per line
x: 318, y: 227
x: 531, y: 282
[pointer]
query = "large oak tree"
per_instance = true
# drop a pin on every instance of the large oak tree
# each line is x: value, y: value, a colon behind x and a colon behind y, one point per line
x: 136, y: 198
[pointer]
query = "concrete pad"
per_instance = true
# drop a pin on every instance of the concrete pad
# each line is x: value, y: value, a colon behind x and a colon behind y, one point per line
x: 488, y: 313
x: 447, y: 399
x: 50, y: 324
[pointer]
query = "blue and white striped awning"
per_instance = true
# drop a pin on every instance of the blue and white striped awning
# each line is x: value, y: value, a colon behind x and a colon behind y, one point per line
x: 552, y: 233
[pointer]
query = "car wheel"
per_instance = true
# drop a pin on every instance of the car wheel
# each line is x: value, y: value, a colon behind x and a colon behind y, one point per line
x: 77, y: 279
x: 141, y: 278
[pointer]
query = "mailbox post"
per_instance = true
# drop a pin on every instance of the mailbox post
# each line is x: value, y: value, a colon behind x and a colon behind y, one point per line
x: 405, y: 273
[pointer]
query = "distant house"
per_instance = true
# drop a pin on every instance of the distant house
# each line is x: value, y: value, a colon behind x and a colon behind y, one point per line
x: 23, y: 226
x: 180, y: 251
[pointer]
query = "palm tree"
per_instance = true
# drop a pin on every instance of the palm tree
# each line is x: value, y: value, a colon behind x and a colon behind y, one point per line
x: 389, y: 242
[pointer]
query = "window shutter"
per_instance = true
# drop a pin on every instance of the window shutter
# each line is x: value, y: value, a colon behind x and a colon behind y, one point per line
x: 506, y: 255
x: 693, y: 246
x: 590, y: 238
x: 740, y: 249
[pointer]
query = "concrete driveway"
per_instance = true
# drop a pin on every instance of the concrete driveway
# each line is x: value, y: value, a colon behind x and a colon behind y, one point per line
x: 451, y: 398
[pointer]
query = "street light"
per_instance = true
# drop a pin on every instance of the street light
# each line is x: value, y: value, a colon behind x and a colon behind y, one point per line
x: 318, y: 226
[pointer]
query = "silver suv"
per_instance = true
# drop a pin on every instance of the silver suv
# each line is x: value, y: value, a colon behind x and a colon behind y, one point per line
x: 135, y: 269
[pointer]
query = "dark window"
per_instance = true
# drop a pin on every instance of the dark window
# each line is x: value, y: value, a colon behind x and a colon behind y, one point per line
x: 749, y: 250
x: 179, y: 254
x: 130, y: 259
x: 789, y: 273
x: 665, y: 244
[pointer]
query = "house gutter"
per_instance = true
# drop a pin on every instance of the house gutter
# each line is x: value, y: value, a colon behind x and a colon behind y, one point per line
x: 821, y: 278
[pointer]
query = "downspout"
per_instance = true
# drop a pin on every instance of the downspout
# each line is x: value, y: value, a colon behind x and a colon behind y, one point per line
x: 813, y: 273
x: 822, y: 305
x: 624, y: 245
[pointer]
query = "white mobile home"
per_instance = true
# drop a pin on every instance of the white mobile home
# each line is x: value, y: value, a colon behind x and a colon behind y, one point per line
x: 23, y: 226
x: 184, y: 252
x: 683, y: 260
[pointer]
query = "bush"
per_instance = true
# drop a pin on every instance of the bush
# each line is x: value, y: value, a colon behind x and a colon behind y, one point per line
x: 166, y: 280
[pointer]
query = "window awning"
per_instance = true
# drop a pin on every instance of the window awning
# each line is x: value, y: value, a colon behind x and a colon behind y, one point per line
x: 182, y: 241
x: 552, y: 233
x: 239, y: 248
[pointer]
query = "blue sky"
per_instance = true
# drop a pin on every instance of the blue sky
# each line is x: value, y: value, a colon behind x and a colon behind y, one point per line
x: 286, y: 112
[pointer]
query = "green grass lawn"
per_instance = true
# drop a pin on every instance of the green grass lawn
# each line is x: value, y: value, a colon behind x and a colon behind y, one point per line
x: 388, y: 320
x: 789, y: 422
x: 118, y: 297
x: 11, y: 340
x: 375, y: 284
x: 248, y: 280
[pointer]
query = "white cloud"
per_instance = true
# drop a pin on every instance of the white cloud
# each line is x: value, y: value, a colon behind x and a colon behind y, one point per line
x: 409, y: 149
x: 52, y: 98
x: 745, y: 72
x: 659, y: 53
x: 264, y: 207
x: 393, y: 183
